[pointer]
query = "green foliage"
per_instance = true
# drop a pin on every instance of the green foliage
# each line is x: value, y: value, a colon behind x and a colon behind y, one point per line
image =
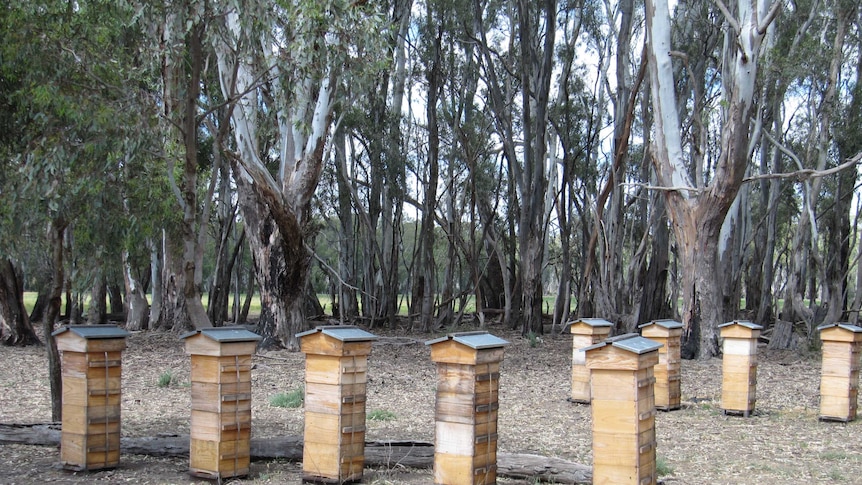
x: 533, y: 339
x: 165, y: 378
x: 292, y: 399
x: 381, y: 415
x: 662, y: 468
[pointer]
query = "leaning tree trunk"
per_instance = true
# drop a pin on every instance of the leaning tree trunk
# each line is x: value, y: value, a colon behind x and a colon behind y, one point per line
x: 57, y: 234
x: 15, y: 326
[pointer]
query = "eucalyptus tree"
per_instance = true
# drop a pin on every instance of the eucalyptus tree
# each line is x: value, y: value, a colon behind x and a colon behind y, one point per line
x: 73, y: 62
x: 288, y: 62
x: 816, y: 152
x: 697, y: 207
x: 533, y: 27
x: 186, y: 102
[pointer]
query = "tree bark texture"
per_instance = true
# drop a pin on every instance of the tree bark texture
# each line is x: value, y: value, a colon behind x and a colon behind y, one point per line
x: 15, y: 326
x: 57, y: 232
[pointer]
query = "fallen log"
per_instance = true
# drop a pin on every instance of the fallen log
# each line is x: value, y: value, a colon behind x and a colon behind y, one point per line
x: 387, y: 454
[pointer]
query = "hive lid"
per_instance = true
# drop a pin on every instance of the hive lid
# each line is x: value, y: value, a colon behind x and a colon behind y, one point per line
x: 631, y: 342
x: 225, y: 334
x: 93, y: 331
x: 844, y: 325
x: 475, y: 340
x: 743, y: 323
x: 668, y: 324
x: 344, y: 333
x: 593, y: 322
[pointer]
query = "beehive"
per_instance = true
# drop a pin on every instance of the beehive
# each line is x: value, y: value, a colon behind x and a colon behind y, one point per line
x: 221, y: 400
x: 585, y: 332
x: 839, y: 381
x: 91, y: 373
x: 468, y: 383
x: 336, y: 362
x: 623, y: 409
x: 739, y: 366
x: 667, y: 373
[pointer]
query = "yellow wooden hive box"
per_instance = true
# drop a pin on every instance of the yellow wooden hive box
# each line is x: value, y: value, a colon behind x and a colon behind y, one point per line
x: 839, y: 375
x: 585, y: 332
x: 221, y: 363
x: 91, y: 371
x: 623, y: 409
x: 466, y: 408
x: 739, y: 366
x: 336, y: 366
x: 667, y: 372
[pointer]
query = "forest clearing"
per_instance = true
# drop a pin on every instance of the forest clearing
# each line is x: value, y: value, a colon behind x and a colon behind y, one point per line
x: 783, y: 442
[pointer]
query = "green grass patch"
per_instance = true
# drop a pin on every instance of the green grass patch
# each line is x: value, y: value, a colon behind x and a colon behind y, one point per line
x: 291, y: 399
x: 165, y: 378
x: 662, y: 468
x: 381, y: 415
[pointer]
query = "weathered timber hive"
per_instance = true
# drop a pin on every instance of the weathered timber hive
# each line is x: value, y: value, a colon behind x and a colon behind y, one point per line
x: 739, y: 366
x: 468, y: 384
x: 623, y: 410
x: 221, y: 401
x: 91, y: 373
x: 667, y: 372
x: 839, y: 379
x: 336, y: 363
x: 585, y: 332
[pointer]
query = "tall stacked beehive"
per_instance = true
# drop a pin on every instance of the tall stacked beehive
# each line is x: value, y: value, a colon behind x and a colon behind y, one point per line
x: 336, y: 363
x: 839, y: 381
x: 585, y: 332
x: 468, y: 383
x: 623, y: 410
x: 668, y: 333
x: 91, y: 372
x: 739, y: 366
x: 221, y: 401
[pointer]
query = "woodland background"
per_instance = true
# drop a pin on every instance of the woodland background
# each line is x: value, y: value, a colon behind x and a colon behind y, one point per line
x: 514, y: 161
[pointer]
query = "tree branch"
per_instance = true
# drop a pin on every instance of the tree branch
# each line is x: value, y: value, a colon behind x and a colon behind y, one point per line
x: 770, y: 16
x: 808, y: 173
x: 728, y: 16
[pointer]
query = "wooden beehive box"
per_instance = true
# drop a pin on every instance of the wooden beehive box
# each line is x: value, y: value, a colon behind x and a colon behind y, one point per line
x: 468, y: 383
x: 739, y: 366
x: 839, y: 380
x: 221, y: 401
x: 667, y: 373
x: 91, y: 372
x: 623, y: 409
x: 585, y: 332
x: 336, y: 362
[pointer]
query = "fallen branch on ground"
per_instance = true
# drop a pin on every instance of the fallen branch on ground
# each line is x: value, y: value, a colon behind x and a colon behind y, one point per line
x: 389, y: 454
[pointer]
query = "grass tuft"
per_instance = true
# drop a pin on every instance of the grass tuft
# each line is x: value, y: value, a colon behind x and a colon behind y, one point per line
x: 662, y: 468
x: 292, y: 399
x: 165, y: 378
x: 381, y: 415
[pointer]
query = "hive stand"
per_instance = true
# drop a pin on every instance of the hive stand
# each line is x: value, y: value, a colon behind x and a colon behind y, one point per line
x: 585, y: 332
x: 336, y: 363
x: 839, y: 381
x: 221, y: 401
x: 667, y: 373
x: 739, y: 366
x: 468, y: 383
x: 92, y: 372
x: 623, y: 410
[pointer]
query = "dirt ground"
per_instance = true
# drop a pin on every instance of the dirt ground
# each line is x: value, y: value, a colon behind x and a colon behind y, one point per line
x: 783, y: 442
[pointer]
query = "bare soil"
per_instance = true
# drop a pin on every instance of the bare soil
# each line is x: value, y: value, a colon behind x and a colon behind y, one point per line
x: 782, y: 443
